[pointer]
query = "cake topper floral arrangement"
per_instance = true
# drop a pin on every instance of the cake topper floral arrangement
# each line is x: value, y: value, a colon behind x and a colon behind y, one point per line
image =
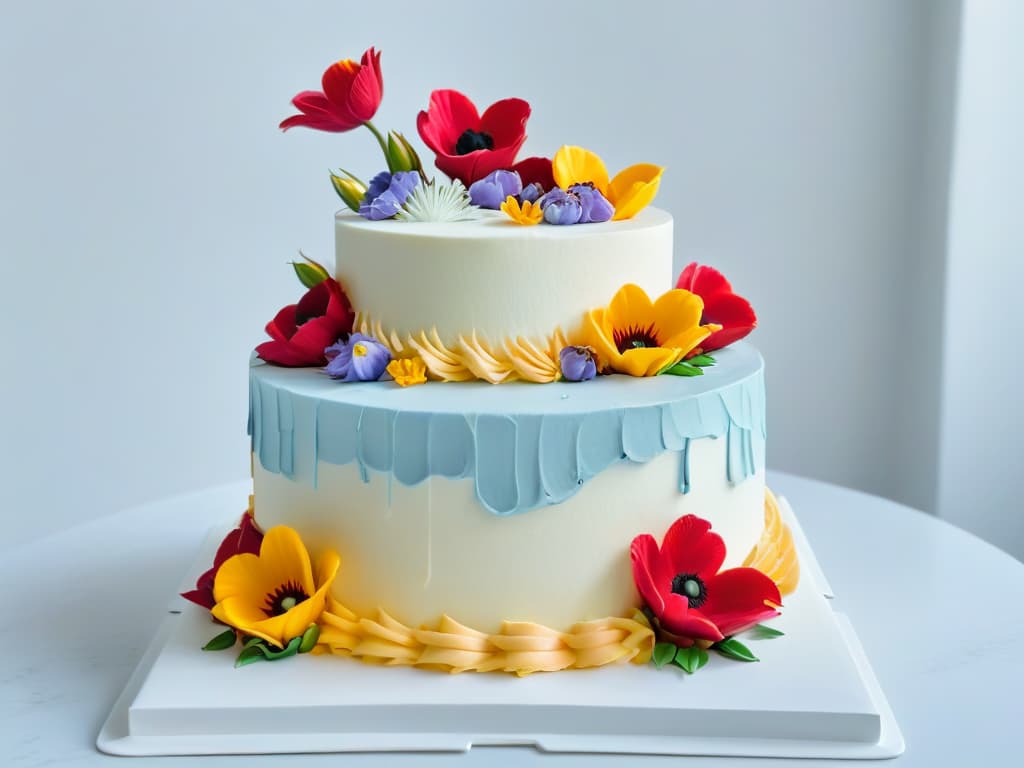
x: 478, y: 154
x: 632, y: 335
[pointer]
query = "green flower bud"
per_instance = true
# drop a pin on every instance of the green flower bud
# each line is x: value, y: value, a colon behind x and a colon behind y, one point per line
x: 350, y: 189
x: 401, y: 155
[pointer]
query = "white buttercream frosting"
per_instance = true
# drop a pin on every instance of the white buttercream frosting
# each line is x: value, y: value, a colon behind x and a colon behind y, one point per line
x: 494, y: 277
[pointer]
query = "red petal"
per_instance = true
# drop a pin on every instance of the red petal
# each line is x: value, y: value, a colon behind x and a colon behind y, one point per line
x: 679, y: 619
x: 317, y: 114
x: 505, y: 121
x: 366, y: 92
x: 685, y: 280
x: 535, y: 170
x: 652, y: 579
x: 734, y: 623
x: 339, y: 308
x: 733, y: 313
x: 202, y: 597
x: 690, y: 547
x: 289, y: 356
x: 736, y: 598
x: 313, y: 303
x: 475, y: 165
x: 449, y: 115
x: 337, y: 82
x: 282, y: 327
x: 703, y: 280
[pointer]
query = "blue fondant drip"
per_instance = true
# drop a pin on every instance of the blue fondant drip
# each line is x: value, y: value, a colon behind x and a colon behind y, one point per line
x: 518, y: 461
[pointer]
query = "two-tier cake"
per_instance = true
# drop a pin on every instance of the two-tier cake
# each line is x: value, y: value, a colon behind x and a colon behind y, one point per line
x: 501, y: 435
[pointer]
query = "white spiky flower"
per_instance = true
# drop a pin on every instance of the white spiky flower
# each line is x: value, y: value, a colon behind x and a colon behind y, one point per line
x: 438, y: 202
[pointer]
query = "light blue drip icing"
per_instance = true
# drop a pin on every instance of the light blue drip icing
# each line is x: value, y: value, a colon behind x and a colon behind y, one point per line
x: 684, y: 467
x: 524, y: 445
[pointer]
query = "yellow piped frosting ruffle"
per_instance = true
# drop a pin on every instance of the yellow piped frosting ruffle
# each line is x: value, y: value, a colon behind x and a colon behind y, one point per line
x: 520, y: 647
x: 775, y: 553
x: 474, y: 357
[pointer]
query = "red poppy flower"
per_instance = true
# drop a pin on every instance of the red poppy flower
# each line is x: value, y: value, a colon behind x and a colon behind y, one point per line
x: 301, y: 332
x: 469, y: 146
x: 721, y: 305
x: 246, y: 538
x: 681, y: 584
x: 350, y: 97
x: 535, y: 170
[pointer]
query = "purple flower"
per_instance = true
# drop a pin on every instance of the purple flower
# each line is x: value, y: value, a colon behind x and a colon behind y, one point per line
x: 595, y: 208
x: 577, y: 363
x: 361, y: 358
x: 531, y: 193
x: 492, y: 190
x: 386, y: 194
x: 561, y: 207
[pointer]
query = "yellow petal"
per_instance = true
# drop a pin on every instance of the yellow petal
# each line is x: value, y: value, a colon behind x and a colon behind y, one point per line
x: 576, y: 165
x: 633, y: 189
x: 285, y: 559
x: 631, y: 308
x: 689, y: 338
x: 648, y: 361
x: 594, y: 334
x: 528, y: 213
x: 676, y: 311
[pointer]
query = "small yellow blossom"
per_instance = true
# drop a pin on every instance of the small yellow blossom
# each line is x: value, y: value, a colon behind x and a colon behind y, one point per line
x: 528, y: 213
x: 408, y: 371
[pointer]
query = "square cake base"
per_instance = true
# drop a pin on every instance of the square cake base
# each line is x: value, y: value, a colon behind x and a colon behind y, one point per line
x: 813, y: 694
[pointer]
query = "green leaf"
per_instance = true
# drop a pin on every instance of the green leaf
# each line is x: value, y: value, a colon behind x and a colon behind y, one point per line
x: 249, y: 656
x: 764, y: 632
x: 309, y: 638
x: 734, y: 649
x: 272, y: 654
x: 222, y: 642
x: 252, y: 642
x: 683, y: 368
x: 663, y: 653
x: 310, y: 275
x: 691, y: 659
x: 701, y: 361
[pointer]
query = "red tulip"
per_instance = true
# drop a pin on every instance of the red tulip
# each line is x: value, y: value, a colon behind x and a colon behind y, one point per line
x: 246, y: 538
x: 469, y: 146
x: 301, y: 332
x: 692, y: 600
x: 721, y: 305
x: 350, y: 97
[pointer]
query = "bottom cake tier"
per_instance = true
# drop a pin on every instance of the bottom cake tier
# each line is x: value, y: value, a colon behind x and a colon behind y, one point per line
x: 513, y: 503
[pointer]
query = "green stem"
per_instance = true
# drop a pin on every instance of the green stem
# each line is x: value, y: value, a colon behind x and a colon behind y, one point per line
x: 380, y: 138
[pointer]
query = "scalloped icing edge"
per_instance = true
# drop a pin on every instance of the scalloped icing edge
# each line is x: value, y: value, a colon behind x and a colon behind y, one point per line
x: 522, y: 647
x: 474, y: 358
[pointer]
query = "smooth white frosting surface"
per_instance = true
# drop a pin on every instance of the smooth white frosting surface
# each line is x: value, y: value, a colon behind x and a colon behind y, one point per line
x: 424, y: 551
x: 493, y: 276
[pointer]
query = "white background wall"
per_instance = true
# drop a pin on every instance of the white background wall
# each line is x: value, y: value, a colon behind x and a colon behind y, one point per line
x: 149, y: 206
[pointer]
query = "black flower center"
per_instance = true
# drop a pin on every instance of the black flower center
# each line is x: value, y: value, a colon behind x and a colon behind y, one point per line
x: 635, y: 337
x: 690, y: 586
x: 284, y: 598
x: 471, y: 141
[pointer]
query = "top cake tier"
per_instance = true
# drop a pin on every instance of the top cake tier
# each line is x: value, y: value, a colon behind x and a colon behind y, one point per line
x: 494, y: 278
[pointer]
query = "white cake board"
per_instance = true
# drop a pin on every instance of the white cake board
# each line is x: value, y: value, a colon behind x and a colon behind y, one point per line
x: 812, y: 695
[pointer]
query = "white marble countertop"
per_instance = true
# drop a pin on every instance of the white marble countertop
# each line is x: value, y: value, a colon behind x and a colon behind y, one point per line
x: 937, y: 610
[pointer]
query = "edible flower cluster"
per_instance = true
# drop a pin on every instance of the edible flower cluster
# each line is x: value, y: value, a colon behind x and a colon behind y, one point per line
x: 633, y: 334
x: 477, y: 152
x: 264, y: 590
x: 691, y: 603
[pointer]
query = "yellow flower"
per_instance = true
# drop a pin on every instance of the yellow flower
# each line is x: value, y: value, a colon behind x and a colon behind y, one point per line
x: 629, y: 192
x: 635, y: 336
x: 527, y: 214
x: 273, y: 595
x: 408, y: 371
